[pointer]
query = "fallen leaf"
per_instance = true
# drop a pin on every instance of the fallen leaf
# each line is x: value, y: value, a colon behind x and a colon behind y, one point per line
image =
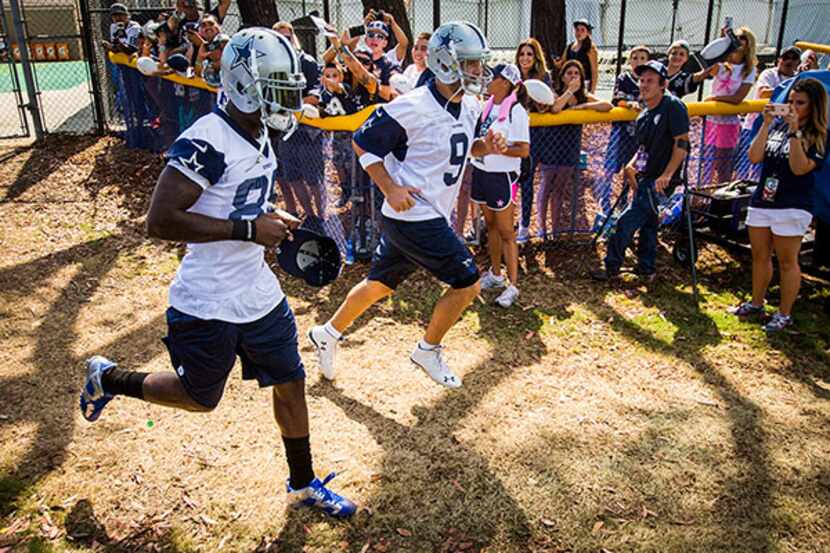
x: 597, y: 527
x: 192, y: 503
x: 365, y: 548
x: 457, y: 485
x: 404, y: 532
x: 207, y: 520
x: 548, y: 522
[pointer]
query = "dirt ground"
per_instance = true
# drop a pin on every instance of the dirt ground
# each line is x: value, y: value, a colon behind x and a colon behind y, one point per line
x: 592, y: 419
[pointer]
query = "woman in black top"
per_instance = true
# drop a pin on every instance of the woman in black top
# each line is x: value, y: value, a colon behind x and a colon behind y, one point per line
x: 792, y: 151
x: 530, y: 60
x: 583, y: 50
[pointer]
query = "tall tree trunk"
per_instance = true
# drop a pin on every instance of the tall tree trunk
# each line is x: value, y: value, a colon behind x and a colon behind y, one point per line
x: 398, y: 10
x: 260, y: 13
x: 547, y: 25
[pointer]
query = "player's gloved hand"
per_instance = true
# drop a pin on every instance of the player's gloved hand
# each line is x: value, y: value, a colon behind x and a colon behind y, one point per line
x: 496, y: 142
x: 400, y: 197
x: 273, y: 228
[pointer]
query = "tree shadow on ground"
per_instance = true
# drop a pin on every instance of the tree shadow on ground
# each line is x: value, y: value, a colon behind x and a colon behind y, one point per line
x: 743, y: 508
x: 425, y: 496
x: 46, y: 157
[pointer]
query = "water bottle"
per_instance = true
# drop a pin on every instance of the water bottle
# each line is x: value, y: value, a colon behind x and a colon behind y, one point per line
x: 349, y: 252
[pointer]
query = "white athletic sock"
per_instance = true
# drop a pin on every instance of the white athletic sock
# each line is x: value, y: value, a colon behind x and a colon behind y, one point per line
x: 331, y: 330
x: 425, y: 346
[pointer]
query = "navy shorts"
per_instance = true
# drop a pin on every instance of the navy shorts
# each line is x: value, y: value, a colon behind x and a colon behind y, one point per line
x: 431, y: 244
x: 203, y: 351
x: 495, y: 190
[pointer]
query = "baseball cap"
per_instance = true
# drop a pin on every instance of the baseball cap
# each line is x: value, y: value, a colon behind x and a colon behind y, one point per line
x: 655, y: 66
x: 378, y: 27
x: 508, y: 72
x: 119, y: 9
x: 583, y: 22
x: 311, y: 257
x: 791, y: 52
x: 179, y: 64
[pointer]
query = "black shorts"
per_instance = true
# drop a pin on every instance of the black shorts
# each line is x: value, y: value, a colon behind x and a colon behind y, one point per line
x: 203, y: 351
x: 432, y: 244
x: 495, y: 190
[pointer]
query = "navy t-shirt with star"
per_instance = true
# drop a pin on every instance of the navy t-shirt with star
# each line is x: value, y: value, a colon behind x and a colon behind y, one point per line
x: 794, y: 191
x: 336, y: 103
x: 656, y: 131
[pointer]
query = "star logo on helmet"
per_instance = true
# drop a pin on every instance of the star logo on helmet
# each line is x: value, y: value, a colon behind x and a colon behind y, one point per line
x: 242, y: 55
x: 448, y: 38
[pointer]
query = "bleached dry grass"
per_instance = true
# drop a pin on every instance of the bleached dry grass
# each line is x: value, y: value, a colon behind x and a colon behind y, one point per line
x: 590, y: 419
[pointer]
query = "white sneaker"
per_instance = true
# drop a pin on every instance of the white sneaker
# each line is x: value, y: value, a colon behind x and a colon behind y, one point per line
x: 523, y: 236
x: 326, y: 346
x: 489, y: 280
x: 507, y: 297
x: 430, y: 360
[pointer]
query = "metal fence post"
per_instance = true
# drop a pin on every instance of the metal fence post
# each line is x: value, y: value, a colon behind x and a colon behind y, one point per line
x: 92, y: 65
x: 780, y: 43
x: 326, y: 10
x: 675, y: 7
x: 621, y: 34
x: 710, y: 10
x: 436, y: 14
x: 28, y: 75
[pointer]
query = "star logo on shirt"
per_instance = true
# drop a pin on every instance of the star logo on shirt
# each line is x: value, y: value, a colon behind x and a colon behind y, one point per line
x: 242, y: 55
x: 192, y: 163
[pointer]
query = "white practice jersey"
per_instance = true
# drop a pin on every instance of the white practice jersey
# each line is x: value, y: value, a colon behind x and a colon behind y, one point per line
x: 226, y: 280
x: 424, y: 144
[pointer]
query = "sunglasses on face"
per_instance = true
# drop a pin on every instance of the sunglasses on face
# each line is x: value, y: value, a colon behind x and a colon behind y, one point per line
x: 379, y: 36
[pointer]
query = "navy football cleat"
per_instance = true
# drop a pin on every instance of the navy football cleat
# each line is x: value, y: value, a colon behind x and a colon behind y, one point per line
x: 316, y: 495
x: 93, y: 397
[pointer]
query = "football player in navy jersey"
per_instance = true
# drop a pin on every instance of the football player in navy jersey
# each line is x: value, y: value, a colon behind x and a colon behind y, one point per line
x: 225, y: 302
x: 415, y: 149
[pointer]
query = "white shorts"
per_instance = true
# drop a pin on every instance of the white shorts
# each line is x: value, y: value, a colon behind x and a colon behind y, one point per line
x: 782, y: 222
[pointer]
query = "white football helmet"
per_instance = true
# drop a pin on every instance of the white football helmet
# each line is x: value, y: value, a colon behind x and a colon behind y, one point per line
x: 452, y: 46
x: 260, y: 71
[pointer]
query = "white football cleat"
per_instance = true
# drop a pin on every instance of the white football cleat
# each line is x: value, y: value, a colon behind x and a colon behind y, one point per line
x: 433, y: 364
x: 326, y: 346
x: 507, y: 297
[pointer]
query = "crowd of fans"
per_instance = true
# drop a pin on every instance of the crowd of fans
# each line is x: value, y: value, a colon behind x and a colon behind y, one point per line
x: 373, y: 63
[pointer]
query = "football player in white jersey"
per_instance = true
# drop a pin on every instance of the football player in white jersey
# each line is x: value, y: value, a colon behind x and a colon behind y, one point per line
x: 225, y: 301
x: 415, y: 149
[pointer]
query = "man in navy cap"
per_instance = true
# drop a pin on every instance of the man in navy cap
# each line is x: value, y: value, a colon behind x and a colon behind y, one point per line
x: 663, y: 138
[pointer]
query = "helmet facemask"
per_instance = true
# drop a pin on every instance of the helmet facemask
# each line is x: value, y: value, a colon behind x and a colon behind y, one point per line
x: 473, y: 83
x: 280, y: 95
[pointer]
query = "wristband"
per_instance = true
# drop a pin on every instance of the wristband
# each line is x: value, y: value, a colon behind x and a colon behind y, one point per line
x: 368, y: 159
x: 244, y: 230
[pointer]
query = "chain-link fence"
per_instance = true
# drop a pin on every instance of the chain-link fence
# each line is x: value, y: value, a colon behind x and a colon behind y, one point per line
x: 45, y: 39
x: 569, y: 184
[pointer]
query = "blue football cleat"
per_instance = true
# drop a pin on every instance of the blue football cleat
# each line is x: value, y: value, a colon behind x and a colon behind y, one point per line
x: 93, y: 397
x: 318, y: 496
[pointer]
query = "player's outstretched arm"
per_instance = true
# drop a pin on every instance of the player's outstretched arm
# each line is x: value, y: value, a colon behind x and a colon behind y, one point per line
x: 168, y: 218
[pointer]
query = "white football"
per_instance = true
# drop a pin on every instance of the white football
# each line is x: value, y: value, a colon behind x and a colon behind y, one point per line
x: 310, y: 112
x: 148, y: 66
x: 539, y: 92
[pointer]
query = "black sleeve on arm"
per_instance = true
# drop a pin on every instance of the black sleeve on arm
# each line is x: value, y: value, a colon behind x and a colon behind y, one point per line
x: 381, y: 134
x: 678, y: 118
